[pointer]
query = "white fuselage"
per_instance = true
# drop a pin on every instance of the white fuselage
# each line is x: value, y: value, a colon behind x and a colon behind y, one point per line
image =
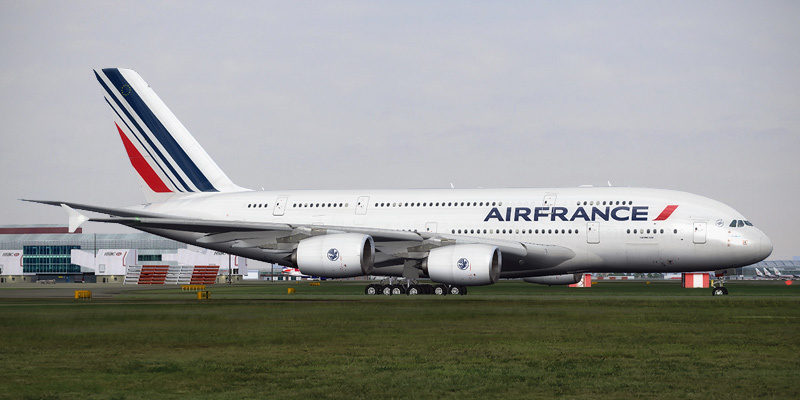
x: 609, y: 229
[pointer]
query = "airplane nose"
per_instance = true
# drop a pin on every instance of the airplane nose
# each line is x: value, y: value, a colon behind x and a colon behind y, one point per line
x: 765, y: 247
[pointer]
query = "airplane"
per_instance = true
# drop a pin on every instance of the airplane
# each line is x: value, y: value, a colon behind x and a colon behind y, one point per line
x: 780, y: 275
x: 454, y: 237
x: 775, y: 274
x: 761, y: 275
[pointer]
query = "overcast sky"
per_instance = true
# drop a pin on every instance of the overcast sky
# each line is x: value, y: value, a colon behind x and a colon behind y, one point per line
x: 702, y: 97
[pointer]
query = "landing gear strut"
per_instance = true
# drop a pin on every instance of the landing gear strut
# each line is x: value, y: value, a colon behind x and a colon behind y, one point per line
x: 716, y: 286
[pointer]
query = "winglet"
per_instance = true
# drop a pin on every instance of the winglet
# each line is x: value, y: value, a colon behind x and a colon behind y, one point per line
x: 75, y: 218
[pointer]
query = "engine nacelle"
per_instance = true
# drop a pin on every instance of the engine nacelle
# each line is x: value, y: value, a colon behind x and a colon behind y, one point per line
x: 565, y: 279
x: 464, y: 264
x: 344, y: 255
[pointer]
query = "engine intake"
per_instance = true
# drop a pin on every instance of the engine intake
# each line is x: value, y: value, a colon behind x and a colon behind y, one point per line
x: 344, y: 255
x: 464, y: 264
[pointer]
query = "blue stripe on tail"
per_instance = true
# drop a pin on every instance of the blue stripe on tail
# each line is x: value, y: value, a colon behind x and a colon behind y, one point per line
x: 161, y: 133
x: 146, y: 138
x: 144, y: 147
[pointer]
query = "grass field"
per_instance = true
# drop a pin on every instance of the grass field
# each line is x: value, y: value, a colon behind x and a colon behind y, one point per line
x: 511, y: 340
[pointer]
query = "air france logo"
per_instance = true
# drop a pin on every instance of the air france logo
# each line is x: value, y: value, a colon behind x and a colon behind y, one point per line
x: 333, y: 254
x: 623, y: 213
x: 463, y: 264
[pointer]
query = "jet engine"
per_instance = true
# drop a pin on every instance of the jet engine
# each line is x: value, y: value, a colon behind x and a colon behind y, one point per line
x: 342, y: 255
x: 464, y: 264
x: 565, y: 279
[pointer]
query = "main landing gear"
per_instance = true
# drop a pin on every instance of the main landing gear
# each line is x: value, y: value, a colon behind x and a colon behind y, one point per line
x: 412, y: 288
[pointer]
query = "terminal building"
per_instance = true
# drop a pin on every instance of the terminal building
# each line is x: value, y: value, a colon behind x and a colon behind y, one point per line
x: 31, y: 253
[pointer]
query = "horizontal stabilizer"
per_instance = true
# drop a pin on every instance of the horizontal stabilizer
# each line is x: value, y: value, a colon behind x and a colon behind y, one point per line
x: 75, y: 218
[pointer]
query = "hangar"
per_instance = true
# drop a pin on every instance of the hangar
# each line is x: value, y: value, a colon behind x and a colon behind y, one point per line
x: 31, y: 253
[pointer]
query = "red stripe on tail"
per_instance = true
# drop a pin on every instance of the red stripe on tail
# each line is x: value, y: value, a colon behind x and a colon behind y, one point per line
x: 142, y: 167
x: 666, y: 213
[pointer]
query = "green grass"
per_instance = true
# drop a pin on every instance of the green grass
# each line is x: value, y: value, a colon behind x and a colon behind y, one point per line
x: 512, y: 340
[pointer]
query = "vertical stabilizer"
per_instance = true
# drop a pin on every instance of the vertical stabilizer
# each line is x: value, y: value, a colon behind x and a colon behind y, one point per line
x: 163, y: 152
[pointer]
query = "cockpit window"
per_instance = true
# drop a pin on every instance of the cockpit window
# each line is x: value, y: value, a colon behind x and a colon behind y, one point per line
x: 738, y: 223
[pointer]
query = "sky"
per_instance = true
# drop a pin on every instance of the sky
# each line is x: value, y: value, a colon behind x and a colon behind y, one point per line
x: 696, y: 96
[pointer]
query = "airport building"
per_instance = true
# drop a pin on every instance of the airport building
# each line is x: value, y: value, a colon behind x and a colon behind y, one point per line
x: 33, y: 253
x: 775, y: 269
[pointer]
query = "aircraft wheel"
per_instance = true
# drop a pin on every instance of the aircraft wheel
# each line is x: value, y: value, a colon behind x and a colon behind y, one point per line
x: 463, y: 290
x: 397, y: 289
x: 454, y: 290
x: 371, y: 290
x: 440, y: 290
x: 413, y: 290
x: 386, y: 290
x: 719, y: 291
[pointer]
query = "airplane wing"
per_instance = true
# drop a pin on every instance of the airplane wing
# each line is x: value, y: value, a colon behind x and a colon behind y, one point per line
x: 393, y: 247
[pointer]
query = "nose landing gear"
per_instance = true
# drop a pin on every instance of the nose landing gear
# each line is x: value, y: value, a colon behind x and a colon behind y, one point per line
x: 716, y: 287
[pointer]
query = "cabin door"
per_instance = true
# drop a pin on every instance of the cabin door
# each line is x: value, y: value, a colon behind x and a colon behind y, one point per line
x: 431, y: 227
x: 280, y: 206
x: 699, y: 232
x: 361, y: 205
x: 593, y: 232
